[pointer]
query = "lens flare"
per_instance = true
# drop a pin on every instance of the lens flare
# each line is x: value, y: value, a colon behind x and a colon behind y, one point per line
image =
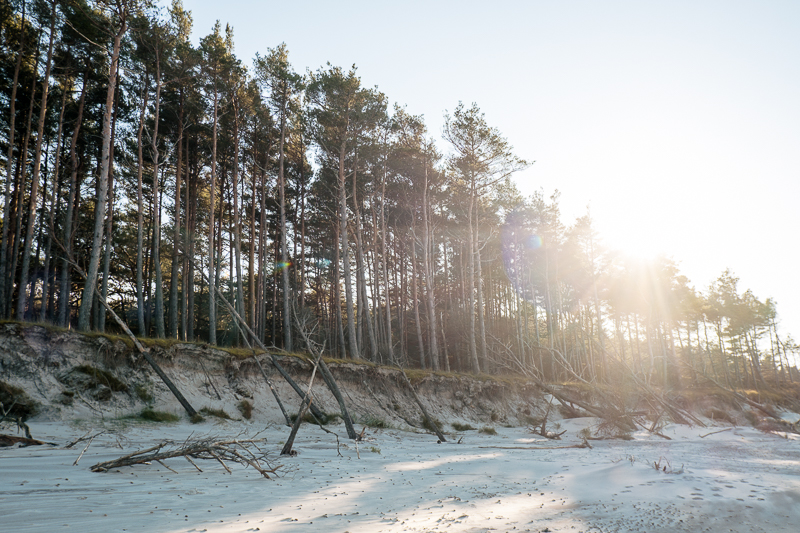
x: 534, y: 242
x: 282, y: 265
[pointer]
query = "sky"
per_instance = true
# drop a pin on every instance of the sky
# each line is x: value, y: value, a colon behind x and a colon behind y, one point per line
x: 676, y: 124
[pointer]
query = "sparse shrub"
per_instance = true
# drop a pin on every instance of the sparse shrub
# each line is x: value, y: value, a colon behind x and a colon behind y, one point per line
x: 427, y: 424
x: 246, y: 408
x: 101, y: 377
x: 66, y: 397
x: 196, y: 418
x: 375, y: 422
x: 585, y: 433
x: 768, y: 425
x: 751, y: 417
x: 663, y: 465
x: 494, y: 417
x: 461, y: 427
x: 487, y: 430
x: 567, y: 411
x: 718, y: 415
x: 375, y: 449
x: 218, y: 413
x: 152, y: 415
x: 143, y: 393
x: 608, y: 429
x: 529, y: 420
x: 309, y: 418
x: 16, y: 402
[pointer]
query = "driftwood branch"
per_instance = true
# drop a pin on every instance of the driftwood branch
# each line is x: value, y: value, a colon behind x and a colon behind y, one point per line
x: 715, y: 432
x: 236, y: 450
x: 11, y: 440
x: 584, y: 444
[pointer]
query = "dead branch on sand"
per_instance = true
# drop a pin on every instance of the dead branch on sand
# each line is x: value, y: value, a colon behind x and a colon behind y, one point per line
x: 584, y: 444
x: 542, y: 429
x: 245, y: 452
x: 715, y: 432
x: 11, y: 440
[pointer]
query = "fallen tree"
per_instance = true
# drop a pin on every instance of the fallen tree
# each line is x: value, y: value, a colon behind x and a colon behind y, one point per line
x: 245, y: 452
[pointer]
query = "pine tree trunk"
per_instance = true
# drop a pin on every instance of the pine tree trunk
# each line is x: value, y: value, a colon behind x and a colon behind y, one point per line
x: 364, y: 312
x: 47, y: 289
x: 5, y: 290
x: 140, y: 210
x: 176, y: 239
x: 251, y: 278
x: 100, y: 208
x: 385, y: 266
x: 473, y: 347
x: 348, y: 280
x: 212, y: 308
x: 101, y: 312
x: 480, y: 307
x: 428, y: 273
x: 63, y: 293
x: 415, y: 297
x: 287, y: 322
x: 156, y: 255
x: 237, y: 226
x: 21, y: 185
x: 37, y: 165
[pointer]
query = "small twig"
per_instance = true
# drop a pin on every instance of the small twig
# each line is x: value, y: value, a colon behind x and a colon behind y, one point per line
x: 654, y: 432
x: 217, y: 457
x: 165, y: 466
x: 714, y: 432
x: 86, y: 448
x: 76, y: 441
x: 193, y: 463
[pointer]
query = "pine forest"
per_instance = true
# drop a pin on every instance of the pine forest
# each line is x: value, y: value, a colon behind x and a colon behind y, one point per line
x: 187, y: 193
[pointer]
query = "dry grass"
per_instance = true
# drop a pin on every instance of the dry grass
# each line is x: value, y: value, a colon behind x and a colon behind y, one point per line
x: 16, y: 402
x: 218, y: 413
x: 246, y: 408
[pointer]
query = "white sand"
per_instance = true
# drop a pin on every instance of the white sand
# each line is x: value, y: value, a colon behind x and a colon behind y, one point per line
x: 739, y: 480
